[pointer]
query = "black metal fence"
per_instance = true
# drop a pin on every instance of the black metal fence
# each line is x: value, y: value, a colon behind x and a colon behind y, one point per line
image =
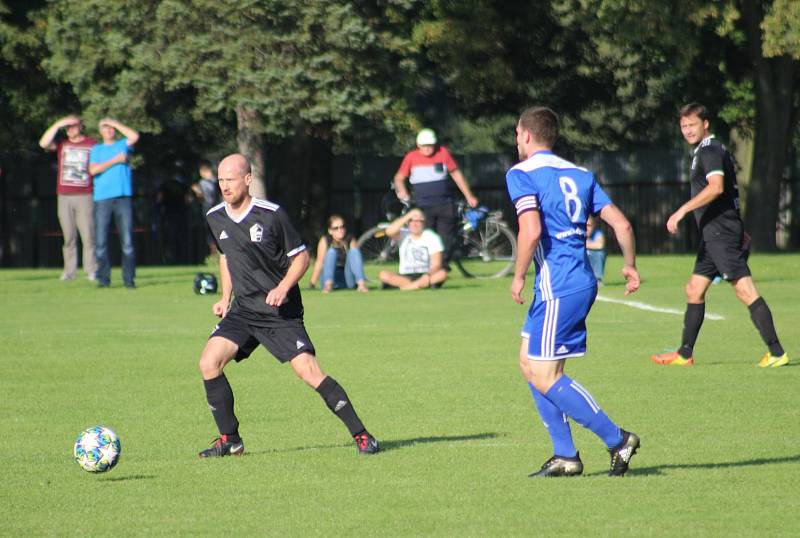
x: 647, y: 186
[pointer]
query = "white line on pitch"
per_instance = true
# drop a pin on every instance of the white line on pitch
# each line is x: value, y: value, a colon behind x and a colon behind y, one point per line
x: 651, y: 308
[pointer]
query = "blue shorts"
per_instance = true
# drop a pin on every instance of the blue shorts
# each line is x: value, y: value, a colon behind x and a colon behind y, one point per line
x: 556, y: 329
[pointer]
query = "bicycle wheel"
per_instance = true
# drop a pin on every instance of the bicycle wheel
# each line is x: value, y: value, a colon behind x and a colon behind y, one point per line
x: 376, y: 247
x: 487, y: 251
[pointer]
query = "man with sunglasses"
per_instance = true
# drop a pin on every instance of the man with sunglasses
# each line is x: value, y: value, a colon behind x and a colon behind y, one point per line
x: 421, y: 252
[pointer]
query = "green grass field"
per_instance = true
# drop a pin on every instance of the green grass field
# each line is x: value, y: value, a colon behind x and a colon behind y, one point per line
x: 434, y: 376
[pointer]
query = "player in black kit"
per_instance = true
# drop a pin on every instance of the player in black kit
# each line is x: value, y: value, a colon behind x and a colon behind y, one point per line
x: 262, y: 259
x: 723, y: 242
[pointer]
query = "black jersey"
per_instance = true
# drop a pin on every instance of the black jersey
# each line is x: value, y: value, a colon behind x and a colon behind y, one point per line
x: 720, y: 219
x: 258, y: 246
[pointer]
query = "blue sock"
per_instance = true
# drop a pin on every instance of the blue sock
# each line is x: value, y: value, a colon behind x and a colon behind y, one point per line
x: 556, y: 423
x: 579, y: 405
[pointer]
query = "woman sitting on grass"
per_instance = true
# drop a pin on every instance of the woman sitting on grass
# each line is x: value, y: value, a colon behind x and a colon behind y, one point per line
x: 338, y: 260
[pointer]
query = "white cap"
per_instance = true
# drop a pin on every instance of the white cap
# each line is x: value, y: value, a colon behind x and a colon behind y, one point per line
x: 426, y: 137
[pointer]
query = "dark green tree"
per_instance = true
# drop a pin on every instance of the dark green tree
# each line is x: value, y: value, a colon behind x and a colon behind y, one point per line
x: 306, y: 79
x: 739, y: 57
x: 29, y: 100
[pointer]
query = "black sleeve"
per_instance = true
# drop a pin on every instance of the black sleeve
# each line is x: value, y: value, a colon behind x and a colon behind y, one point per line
x: 213, y: 235
x: 292, y: 242
x: 711, y: 160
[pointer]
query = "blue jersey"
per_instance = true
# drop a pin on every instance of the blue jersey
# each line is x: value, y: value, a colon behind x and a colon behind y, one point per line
x: 565, y: 195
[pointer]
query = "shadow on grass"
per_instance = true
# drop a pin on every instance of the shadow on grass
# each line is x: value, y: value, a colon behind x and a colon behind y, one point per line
x: 390, y: 444
x: 403, y: 443
x: 131, y: 477
x: 658, y: 470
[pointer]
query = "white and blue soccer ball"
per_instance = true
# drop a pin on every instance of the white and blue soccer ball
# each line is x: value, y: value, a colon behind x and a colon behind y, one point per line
x: 97, y: 449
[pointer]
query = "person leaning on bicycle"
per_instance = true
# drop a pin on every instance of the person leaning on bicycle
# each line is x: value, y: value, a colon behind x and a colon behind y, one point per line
x: 427, y: 169
x: 420, y: 254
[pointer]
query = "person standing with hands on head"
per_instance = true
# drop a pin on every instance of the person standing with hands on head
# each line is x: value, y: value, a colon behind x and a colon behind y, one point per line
x: 724, y: 244
x: 427, y: 168
x: 553, y: 199
x: 262, y: 258
x: 113, y: 196
x: 74, y: 190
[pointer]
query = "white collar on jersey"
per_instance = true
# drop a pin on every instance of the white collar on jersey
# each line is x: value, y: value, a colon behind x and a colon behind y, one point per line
x: 243, y: 214
x: 703, y: 142
x: 545, y: 159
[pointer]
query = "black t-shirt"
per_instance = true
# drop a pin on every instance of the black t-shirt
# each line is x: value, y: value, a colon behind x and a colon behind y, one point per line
x: 258, y: 247
x: 720, y: 219
x: 341, y: 248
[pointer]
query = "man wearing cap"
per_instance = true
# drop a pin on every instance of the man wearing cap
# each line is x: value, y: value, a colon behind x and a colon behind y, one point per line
x: 427, y: 169
x: 74, y: 189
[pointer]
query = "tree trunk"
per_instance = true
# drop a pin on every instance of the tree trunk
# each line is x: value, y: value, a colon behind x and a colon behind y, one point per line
x: 775, y: 80
x: 773, y: 139
x: 251, y: 145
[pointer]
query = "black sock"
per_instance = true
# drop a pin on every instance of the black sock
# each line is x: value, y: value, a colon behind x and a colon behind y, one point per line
x: 220, y: 399
x: 762, y: 319
x: 692, y: 321
x: 337, y: 401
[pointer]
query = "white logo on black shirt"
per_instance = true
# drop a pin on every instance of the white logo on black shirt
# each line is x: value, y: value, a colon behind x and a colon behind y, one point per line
x: 299, y: 344
x: 256, y: 232
x: 223, y: 235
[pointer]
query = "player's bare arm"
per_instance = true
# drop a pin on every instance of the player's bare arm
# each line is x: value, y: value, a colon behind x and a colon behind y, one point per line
x: 623, y: 230
x: 530, y: 230
x: 297, y: 268
x: 711, y: 192
x: 220, y: 308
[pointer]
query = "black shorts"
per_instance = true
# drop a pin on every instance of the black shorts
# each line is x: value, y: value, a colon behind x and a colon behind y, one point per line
x: 724, y: 258
x: 284, y: 342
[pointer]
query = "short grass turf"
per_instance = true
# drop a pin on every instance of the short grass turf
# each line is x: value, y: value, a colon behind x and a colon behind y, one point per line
x: 434, y: 376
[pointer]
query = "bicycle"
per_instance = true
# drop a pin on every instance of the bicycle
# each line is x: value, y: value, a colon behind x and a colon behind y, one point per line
x: 484, y: 246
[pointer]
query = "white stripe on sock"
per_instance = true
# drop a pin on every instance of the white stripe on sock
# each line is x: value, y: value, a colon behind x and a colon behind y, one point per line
x: 586, y: 396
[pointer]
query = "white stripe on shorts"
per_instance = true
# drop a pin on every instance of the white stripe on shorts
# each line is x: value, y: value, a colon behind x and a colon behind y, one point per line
x: 550, y: 327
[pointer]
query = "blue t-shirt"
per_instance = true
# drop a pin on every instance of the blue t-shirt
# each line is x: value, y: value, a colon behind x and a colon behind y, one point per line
x: 565, y: 195
x: 115, y: 181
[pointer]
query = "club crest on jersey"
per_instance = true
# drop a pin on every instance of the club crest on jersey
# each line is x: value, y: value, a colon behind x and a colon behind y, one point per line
x: 256, y: 232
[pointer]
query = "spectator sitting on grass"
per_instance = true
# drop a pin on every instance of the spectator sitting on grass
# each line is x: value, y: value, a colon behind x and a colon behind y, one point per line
x: 420, y: 254
x: 338, y: 260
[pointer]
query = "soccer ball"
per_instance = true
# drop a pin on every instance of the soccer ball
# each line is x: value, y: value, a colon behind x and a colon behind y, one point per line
x: 205, y: 283
x: 97, y: 449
